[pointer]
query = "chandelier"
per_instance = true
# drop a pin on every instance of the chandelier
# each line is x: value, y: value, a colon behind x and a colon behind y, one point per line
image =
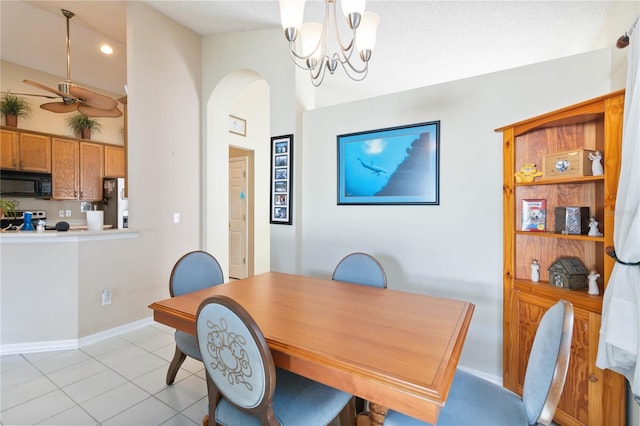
x: 308, y: 42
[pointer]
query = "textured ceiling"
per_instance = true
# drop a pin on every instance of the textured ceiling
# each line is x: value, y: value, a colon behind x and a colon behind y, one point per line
x: 419, y: 43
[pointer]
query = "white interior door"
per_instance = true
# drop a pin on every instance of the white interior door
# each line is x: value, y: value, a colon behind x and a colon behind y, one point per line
x: 238, y: 233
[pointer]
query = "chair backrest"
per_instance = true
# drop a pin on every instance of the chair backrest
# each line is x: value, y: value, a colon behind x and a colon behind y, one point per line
x: 360, y: 268
x: 236, y: 355
x: 548, y: 363
x: 194, y: 271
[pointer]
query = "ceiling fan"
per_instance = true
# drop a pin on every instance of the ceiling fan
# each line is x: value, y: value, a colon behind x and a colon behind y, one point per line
x: 76, y: 98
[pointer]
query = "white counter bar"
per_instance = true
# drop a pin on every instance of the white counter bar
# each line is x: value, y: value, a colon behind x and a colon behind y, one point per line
x: 73, y: 235
x: 51, y: 284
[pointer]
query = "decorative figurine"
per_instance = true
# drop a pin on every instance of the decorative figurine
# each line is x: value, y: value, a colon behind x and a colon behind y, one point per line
x: 535, y: 271
x: 527, y: 173
x: 593, y: 283
x: 596, y: 165
x: 593, y: 228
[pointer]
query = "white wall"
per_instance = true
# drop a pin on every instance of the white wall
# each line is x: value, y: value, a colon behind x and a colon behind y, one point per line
x: 45, y: 121
x: 454, y: 249
x: 163, y: 73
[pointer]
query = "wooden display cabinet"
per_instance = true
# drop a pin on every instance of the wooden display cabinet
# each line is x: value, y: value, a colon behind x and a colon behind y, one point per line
x: 591, y: 396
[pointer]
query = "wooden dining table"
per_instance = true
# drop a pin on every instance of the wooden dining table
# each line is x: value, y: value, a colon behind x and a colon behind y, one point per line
x: 396, y: 349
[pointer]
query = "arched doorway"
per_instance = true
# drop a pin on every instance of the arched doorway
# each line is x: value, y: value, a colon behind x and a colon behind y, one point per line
x: 242, y: 94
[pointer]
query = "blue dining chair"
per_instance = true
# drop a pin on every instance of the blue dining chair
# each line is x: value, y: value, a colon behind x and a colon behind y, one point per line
x: 360, y: 268
x: 193, y: 271
x: 244, y: 386
x: 475, y: 401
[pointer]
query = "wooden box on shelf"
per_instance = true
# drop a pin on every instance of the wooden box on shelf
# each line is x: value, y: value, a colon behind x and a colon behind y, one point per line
x: 591, y: 396
x: 567, y: 164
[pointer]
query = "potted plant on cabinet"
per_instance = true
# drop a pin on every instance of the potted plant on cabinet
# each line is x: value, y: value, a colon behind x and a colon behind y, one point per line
x: 12, y: 107
x: 83, y: 125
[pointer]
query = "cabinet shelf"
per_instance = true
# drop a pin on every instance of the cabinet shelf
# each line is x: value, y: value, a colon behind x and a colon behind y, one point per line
x: 579, y: 298
x: 562, y: 181
x: 563, y: 236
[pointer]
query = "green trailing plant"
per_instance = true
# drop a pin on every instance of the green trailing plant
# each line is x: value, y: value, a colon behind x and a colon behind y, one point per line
x: 80, y: 122
x: 8, y: 206
x: 14, y: 105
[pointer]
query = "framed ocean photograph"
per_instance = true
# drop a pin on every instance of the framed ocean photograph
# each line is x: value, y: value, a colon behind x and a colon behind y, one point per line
x: 396, y: 165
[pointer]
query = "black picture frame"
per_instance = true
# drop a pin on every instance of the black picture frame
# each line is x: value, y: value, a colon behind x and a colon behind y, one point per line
x: 281, y: 180
x: 394, y: 166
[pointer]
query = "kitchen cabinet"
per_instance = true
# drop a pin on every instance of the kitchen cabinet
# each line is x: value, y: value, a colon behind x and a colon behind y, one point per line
x: 78, y: 169
x: 114, y: 161
x: 25, y: 151
x: 8, y: 150
x: 65, y: 170
x: 91, y: 171
x: 591, y: 396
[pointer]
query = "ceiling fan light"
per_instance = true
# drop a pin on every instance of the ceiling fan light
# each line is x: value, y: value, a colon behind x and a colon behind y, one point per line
x: 366, y: 34
x: 106, y: 49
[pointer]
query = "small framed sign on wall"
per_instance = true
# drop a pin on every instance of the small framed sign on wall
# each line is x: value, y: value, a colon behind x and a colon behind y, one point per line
x: 237, y: 125
x: 281, y: 179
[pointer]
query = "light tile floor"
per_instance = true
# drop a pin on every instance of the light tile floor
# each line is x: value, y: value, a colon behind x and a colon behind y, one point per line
x: 118, y: 381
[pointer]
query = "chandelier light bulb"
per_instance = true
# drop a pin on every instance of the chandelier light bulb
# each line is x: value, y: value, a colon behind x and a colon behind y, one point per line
x: 353, y: 10
x: 366, y: 34
x: 291, y: 13
x: 353, y: 6
x: 310, y: 38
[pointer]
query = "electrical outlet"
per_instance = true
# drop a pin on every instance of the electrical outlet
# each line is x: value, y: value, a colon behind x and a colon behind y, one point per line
x: 68, y: 213
x: 60, y: 213
x: 106, y: 297
x: 176, y: 218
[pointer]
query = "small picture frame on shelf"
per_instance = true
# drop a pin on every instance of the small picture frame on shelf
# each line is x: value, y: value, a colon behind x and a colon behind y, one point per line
x: 534, y: 215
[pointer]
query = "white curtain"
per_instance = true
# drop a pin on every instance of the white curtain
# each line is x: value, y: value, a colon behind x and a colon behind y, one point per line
x: 619, y: 348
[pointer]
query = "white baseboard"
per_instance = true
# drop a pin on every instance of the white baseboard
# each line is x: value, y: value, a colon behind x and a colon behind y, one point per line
x: 490, y: 377
x: 59, y: 345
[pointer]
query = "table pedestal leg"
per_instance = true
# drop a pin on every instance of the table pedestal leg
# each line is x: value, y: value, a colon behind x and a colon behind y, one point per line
x: 377, y: 414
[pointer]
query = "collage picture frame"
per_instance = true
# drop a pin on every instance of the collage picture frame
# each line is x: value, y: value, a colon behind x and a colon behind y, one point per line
x: 281, y: 179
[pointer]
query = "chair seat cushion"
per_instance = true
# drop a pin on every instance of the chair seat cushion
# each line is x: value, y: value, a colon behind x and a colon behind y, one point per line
x: 472, y: 401
x: 297, y: 401
x: 188, y: 344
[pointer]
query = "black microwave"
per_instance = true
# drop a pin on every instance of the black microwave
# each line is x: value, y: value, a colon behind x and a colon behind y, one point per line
x: 25, y: 184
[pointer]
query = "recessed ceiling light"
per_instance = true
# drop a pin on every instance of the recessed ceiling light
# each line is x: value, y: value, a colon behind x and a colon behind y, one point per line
x: 106, y: 49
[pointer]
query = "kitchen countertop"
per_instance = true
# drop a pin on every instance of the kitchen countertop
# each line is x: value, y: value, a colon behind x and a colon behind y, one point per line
x: 74, y: 234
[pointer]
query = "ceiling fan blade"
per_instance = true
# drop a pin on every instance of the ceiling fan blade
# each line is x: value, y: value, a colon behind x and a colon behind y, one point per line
x: 93, y: 99
x: 90, y: 111
x: 59, y: 107
x: 31, y: 94
x: 49, y: 89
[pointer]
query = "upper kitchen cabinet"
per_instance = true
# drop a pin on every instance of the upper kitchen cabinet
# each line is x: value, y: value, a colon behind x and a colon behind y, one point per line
x: 66, y: 172
x: 91, y: 171
x: 114, y: 161
x: 25, y: 151
x: 77, y: 170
